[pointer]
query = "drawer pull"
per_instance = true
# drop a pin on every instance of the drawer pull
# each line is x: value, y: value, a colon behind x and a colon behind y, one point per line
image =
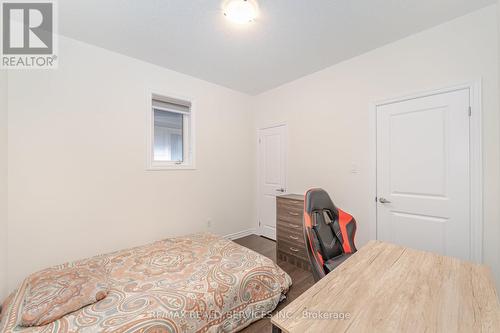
x: 293, y: 226
x: 294, y: 249
x: 293, y: 213
x: 294, y: 237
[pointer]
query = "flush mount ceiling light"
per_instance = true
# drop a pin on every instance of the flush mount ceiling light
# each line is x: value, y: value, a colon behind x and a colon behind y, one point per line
x: 241, y: 11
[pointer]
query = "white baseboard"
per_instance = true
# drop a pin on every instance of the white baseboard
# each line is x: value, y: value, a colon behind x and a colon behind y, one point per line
x: 241, y: 234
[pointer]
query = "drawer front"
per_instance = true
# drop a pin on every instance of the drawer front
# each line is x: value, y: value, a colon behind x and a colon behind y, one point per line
x: 290, y: 211
x: 290, y: 225
x: 296, y: 261
x: 293, y: 248
x: 294, y: 208
x: 287, y: 217
x: 290, y: 234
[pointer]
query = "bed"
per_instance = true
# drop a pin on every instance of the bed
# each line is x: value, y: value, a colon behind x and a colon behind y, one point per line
x: 196, y: 283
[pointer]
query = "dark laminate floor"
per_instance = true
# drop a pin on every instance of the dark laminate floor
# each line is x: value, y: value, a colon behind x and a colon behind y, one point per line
x: 302, y: 280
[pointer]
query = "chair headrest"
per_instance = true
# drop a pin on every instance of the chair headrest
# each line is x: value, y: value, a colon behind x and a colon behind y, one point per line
x: 318, y: 199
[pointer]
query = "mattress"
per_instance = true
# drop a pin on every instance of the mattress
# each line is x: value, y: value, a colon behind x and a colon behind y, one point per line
x: 196, y: 283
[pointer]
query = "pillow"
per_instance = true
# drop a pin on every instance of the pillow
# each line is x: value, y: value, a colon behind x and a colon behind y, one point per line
x: 51, y: 294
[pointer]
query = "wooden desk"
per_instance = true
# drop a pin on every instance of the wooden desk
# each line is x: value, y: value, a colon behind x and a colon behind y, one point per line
x: 389, y: 288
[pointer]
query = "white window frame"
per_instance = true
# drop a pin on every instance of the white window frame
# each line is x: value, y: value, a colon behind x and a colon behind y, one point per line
x: 188, y: 136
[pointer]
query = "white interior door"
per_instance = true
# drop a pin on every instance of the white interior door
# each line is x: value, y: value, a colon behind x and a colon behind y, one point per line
x: 423, y: 181
x: 272, y: 176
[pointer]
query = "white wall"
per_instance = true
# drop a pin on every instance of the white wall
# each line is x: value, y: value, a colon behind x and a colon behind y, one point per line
x: 77, y: 157
x: 3, y: 183
x: 498, y: 40
x: 328, y: 113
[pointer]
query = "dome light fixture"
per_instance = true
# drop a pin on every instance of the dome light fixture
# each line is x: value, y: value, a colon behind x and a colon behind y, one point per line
x: 240, y: 11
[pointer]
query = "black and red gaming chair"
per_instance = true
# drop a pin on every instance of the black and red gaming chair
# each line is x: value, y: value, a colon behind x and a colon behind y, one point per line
x: 328, y: 231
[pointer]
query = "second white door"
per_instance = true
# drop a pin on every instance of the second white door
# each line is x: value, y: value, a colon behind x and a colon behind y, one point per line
x: 272, y: 176
x: 423, y: 181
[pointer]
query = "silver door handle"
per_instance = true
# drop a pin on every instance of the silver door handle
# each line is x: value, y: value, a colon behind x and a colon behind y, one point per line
x: 282, y: 190
x: 384, y: 201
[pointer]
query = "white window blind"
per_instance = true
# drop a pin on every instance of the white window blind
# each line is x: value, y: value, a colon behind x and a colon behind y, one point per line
x: 170, y: 104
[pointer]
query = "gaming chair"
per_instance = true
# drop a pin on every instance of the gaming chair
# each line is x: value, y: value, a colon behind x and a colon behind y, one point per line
x: 328, y: 231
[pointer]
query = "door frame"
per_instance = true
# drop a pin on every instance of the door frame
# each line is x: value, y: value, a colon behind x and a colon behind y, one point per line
x: 475, y: 160
x: 259, y: 189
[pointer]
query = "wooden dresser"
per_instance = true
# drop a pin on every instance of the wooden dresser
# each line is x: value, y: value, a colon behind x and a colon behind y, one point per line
x: 289, y: 230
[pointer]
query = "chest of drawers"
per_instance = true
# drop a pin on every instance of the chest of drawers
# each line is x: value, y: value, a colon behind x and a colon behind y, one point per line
x: 291, y: 246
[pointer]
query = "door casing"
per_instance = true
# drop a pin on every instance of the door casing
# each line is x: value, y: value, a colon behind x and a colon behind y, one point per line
x: 476, y: 161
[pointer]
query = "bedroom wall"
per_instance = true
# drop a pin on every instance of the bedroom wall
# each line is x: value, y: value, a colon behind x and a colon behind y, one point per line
x: 77, y: 156
x: 3, y: 184
x: 498, y: 26
x: 328, y: 113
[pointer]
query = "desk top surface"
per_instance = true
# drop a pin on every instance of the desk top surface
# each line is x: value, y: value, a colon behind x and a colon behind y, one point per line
x: 389, y: 288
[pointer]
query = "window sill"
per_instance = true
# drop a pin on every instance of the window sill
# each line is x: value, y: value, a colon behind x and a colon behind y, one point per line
x: 171, y: 167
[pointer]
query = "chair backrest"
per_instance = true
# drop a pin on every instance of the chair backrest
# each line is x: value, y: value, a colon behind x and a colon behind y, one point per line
x: 328, y: 231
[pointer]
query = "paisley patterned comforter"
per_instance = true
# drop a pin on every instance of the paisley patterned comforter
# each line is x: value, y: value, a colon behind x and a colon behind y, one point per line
x: 197, y: 283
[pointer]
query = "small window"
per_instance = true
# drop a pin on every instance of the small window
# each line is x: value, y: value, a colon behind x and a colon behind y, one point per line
x: 171, y: 140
